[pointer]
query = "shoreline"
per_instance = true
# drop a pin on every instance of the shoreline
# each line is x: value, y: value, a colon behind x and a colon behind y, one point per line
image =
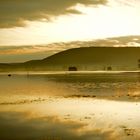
x: 66, y: 72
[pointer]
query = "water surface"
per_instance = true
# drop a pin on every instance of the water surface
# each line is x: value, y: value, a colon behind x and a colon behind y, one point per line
x: 70, y: 106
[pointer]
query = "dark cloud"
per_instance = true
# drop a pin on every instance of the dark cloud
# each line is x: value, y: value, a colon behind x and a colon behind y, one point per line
x: 15, y: 12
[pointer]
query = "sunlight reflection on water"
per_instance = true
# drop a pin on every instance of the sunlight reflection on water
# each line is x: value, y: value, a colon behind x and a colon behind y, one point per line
x: 70, y: 107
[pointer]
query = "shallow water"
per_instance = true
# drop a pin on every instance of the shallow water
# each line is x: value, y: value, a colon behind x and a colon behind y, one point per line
x: 70, y: 106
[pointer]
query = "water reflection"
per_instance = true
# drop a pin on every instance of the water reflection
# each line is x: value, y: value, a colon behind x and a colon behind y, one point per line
x: 70, y: 107
x: 15, y: 126
x: 70, y: 119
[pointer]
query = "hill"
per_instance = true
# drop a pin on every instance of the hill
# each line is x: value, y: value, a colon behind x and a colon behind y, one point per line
x: 85, y: 58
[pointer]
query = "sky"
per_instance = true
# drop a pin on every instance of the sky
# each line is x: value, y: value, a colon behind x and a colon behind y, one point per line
x: 34, y: 29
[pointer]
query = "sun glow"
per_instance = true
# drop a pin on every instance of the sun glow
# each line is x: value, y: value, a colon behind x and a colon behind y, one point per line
x: 114, y: 19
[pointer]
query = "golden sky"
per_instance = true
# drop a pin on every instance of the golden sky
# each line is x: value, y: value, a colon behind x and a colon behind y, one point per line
x: 41, y: 22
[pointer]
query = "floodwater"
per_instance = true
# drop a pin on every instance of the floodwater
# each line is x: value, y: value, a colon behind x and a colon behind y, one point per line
x: 70, y: 106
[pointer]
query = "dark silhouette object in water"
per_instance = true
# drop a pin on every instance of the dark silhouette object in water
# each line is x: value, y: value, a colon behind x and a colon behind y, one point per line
x: 109, y: 68
x: 72, y: 69
x: 9, y: 75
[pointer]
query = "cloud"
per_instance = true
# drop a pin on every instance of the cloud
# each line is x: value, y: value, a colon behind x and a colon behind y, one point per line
x: 122, y: 41
x: 14, y: 13
x: 50, y: 48
x: 56, y: 47
x: 129, y: 3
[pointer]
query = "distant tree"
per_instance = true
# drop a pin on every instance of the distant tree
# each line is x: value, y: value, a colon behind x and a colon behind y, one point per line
x: 109, y: 68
